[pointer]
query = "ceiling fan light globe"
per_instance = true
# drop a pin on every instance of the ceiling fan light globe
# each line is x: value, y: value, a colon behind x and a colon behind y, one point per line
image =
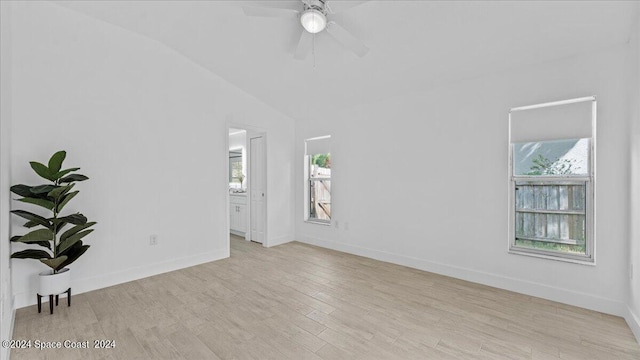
x: 313, y: 21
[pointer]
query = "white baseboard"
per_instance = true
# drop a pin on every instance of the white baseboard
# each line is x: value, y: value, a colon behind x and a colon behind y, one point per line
x: 634, y: 323
x: 98, y: 282
x: 583, y: 300
x: 13, y: 322
x: 6, y: 352
x: 280, y: 240
x: 237, y: 233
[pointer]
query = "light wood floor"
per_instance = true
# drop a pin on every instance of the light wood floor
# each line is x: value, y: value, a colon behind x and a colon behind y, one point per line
x: 297, y: 302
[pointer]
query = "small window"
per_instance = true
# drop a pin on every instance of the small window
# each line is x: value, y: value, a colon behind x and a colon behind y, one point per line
x: 318, y: 180
x: 552, y: 181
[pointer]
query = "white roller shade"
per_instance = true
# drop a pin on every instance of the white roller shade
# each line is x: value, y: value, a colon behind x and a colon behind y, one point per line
x: 319, y: 145
x: 566, y: 121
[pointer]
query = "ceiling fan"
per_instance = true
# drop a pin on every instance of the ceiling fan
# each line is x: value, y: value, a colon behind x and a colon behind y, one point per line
x: 313, y: 16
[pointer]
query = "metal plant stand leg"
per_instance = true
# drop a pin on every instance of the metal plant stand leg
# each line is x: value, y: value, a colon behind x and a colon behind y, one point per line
x: 57, y: 297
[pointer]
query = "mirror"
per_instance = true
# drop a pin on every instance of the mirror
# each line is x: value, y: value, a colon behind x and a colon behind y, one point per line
x: 236, y: 173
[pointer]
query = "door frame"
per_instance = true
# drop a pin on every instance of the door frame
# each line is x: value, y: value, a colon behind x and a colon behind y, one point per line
x: 252, y: 131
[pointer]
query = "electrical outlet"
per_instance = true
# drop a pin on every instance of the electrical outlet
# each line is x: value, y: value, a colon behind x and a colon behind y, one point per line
x: 153, y: 240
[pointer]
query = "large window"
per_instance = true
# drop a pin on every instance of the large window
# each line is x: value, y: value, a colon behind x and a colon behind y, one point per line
x: 318, y: 180
x: 551, y: 193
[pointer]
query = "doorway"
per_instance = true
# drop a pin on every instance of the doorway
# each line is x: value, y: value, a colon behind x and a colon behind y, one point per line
x: 246, y: 193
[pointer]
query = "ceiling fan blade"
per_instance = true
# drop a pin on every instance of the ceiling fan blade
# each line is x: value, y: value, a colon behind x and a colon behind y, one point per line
x: 335, y: 7
x: 347, y: 39
x: 304, y: 45
x: 270, y: 12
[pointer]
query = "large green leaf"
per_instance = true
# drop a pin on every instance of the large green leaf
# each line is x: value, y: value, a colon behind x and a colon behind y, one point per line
x: 59, y: 191
x: 37, y: 235
x: 75, y: 219
x: 61, y: 226
x: 30, y: 224
x: 66, y: 199
x: 62, y: 173
x: 44, y: 243
x: 25, y: 191
x: 39, y: 220
x: 42, y: 170
x: 71, y: 249
x: 55, y: 262
x: 40, y: 202
x: 21, y: 189
x: 64, y: 245
x: 75, y: 230
x: 31, y: 254
x: 73, y: 253
x: 73, y: 177
x: 42, y: 189
x: 55, y: 163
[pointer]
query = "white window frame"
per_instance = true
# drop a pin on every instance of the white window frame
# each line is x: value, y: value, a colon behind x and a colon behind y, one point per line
x: 589, y: 258
x: 307, y: 184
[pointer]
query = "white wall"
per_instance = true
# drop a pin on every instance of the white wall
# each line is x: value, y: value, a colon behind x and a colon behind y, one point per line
x: 6, y: 298
x: 149, y: 127
x: 421, y: 180
x: 633, y: 317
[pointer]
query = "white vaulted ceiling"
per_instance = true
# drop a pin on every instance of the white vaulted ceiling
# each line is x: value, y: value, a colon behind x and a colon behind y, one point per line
x: 413, y: 44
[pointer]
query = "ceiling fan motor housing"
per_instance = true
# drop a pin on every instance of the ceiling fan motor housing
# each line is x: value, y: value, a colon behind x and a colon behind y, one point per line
x: 314, y: 16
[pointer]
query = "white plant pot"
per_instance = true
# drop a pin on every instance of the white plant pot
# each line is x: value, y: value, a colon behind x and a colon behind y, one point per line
x: 54, y: 284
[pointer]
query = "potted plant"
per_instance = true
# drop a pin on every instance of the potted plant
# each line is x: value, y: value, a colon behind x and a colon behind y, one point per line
x: 57, y: 237
x: 241, y: 179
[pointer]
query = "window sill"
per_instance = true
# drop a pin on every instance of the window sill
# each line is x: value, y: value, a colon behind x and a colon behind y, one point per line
x: 586, y: 261
x: 318, y: 222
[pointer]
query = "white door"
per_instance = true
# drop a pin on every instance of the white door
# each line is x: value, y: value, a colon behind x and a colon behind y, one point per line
x: 257, y: 183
